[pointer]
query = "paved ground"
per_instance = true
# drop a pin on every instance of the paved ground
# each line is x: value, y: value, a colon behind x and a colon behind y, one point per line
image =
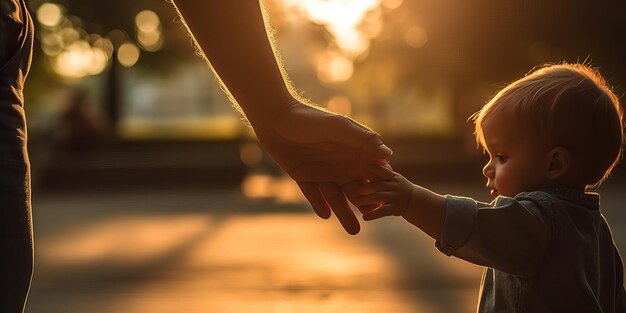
x: 216, y: 251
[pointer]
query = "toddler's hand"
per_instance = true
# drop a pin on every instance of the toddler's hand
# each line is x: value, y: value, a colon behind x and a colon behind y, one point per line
x: 379, y: 198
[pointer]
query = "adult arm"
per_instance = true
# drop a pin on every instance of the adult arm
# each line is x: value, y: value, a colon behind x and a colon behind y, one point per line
x: 318, y: 149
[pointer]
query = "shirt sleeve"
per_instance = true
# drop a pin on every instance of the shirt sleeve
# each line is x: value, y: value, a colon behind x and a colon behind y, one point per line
x: 509, y: 234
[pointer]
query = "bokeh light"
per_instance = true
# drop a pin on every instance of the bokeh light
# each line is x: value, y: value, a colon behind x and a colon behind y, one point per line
x: 75, y: 53
x: 340, y: 104
x: 416, y: 37
x: 105, y: 45
x: 262, y: 186
x: 117, y: 37
x: 49, y: 14
x: 251, y: 154
x: 148, y: 28
x: 80, y: 60
x: 334, y: 68
x: 147, y: 21
x: 128, y: 54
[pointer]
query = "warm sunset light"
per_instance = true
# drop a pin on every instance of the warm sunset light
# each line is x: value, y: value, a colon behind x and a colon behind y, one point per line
x: 351, y: 24
x: 119, y: 239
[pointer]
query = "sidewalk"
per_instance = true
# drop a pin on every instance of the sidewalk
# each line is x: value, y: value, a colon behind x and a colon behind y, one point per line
x: 215, y: 251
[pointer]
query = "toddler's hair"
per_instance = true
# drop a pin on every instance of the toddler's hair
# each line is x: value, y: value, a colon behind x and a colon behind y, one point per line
x: 567, y: 105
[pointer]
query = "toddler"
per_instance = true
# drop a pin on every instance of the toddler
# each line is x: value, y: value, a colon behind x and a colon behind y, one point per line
x: 551, y: 136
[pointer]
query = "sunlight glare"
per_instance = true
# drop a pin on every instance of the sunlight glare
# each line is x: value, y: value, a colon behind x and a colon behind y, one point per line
x: 351, y: 24
x: 342, y: 19
x: 392, y: 4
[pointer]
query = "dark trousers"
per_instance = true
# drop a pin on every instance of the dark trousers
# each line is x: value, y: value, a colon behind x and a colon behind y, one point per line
x: 16, y: 235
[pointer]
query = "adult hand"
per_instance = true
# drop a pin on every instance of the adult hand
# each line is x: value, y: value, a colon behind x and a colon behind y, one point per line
x: 322, y: 151
x: 391, y: 194
x: 318, y: 149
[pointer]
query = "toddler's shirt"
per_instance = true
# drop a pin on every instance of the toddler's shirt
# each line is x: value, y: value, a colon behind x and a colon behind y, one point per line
x: 544, y: 251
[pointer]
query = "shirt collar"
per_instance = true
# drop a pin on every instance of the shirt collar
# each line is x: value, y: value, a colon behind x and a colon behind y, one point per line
x: 589, y: 200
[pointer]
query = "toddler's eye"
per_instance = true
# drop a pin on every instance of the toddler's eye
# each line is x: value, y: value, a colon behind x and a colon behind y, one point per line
x: 501, y: 158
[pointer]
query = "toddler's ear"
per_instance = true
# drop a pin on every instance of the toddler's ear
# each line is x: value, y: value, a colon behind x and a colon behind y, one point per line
x: 560, y: 161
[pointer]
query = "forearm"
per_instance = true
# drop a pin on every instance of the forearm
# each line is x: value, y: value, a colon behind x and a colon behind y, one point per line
x: 426, y: 210
x: 233, y: 38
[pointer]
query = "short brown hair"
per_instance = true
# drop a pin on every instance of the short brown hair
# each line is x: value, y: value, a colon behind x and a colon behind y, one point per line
x: 570, y: 105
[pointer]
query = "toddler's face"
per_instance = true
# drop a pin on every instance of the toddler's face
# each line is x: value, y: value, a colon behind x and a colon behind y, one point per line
x: 516, y: 162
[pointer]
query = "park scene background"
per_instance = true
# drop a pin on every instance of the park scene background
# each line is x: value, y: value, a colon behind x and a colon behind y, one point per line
x: 151, y: 195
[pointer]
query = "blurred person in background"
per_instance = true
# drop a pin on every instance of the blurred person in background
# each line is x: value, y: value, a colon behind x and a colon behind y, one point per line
x: 318, y: 149
x: 81, y: 127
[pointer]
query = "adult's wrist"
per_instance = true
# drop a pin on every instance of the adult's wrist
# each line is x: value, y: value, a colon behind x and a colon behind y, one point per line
x: 268, y: 112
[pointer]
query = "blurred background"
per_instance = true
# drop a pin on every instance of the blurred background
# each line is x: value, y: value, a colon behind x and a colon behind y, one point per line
x: 150, y: 194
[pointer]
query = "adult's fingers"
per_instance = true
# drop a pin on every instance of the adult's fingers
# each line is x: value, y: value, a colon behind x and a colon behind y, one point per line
x: 383, y: 211
x: 374, y: 147
x: 381, y: 172
x: 357, y: 189
x: 364, y: 209
x: 313, y: 194
x: 372, y: 199
x: 353, y: 189
x: 339, y: 204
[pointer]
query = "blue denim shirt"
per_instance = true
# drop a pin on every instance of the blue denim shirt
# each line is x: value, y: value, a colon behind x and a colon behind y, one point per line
x: 544, y: 251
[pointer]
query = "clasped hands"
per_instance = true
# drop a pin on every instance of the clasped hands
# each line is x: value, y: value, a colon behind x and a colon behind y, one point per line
x: 329, y: 156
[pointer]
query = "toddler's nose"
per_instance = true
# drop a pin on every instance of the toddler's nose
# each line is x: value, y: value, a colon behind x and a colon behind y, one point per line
x: 488, y: 170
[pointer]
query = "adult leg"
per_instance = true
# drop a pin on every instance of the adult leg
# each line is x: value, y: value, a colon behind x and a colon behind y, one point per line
x: 16, y: 236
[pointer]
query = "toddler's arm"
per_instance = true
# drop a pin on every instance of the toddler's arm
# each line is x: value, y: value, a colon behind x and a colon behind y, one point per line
x: 398, y: 196
x: 510, y: 234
